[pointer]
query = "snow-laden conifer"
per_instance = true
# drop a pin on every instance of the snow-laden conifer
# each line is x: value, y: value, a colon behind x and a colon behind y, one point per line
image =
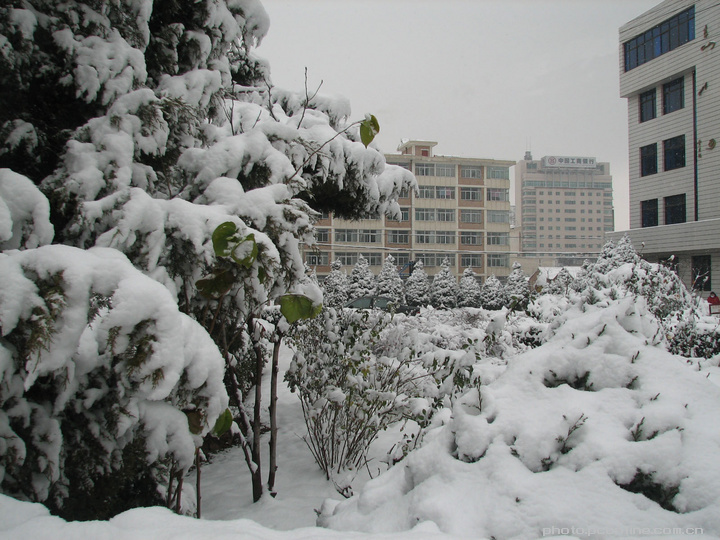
x: 469, y: 290
x: 492, y: 294
x: 362, y: 279
x: 444, y: 287
x: 389, y: 282
x: 417, y: 286
x: 335, y: 286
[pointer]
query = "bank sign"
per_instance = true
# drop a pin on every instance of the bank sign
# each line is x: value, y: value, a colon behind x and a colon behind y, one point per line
x: 569, y: 161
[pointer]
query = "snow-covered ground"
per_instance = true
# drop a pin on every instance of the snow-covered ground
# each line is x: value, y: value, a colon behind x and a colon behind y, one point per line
x: 541, y: 452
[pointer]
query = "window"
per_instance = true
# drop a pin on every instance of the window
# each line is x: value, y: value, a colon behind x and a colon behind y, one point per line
x: 424, y: 169
x: 471, y: 260
x: 701, y: 273
x: 661, y: 39
x: 498, y: 216
x: 322, y: 235
x: 347, y: 259
x: 428, y: 259
x: 319, y: 258
x: 424, y: 214
x: 471, y: 172
x: 649, y: 213
x: 399, y: 237
x: 404, y: 214
x: 444, y: 237
x: 498, y: 239
x: 498, y: 194
x: 675, y: 209
x: 446, y: 214
x: 674, y: 152
x: 673, y: 95
x: 445, y: 169
x: 498, y: 260
x: 647, y: 105
x: 471, y: 238
x: 470, y: 194
x: 424, y: 237
x: 346, y: 235
x: 426, y: 192
x: 443, y: 192
x: 373, y: 259
x: 648, y: 159
x: 502, y: 173
x: 471, y: 216
x: 369, y: 236
x: 404, y: 193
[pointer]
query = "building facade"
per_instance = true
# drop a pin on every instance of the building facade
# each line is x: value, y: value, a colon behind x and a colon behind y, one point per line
x: 461, y: 212
x: 564, y: 207
x: 670, y: 76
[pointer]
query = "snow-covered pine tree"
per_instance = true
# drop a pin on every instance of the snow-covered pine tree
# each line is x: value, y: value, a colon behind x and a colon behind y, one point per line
x: 389, y: 282
x: 335, y: 286
x: 469, y: 290
x: 517, y: 288
x: 560, y: 284
x: 444, y: 287
x: 492, y: 294
x: 153, y: 130
x: 362, y: 279
x: 417, y: 286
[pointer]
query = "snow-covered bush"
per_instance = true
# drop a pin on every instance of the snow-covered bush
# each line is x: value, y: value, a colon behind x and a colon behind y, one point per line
x: 469, y: 290
x: 444, y: 287
x: 95, y: 358
x: 492, y: 294
x: 361, y: 280
x: 335, y: 286
x: 389, y: 282
x: 417, y: 286
x: 517, y: 288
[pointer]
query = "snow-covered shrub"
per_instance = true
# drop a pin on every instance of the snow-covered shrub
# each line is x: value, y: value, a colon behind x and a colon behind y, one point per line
x: 417, y: 286
x: 469, y: 290
x: 96, y: 359
x: 444, y: 287
x: 335, y: 286
x: 389, y: 282
x: 492, y: 294
x: 517, y: 288
x: 361, y: 280
x: 597, y: 428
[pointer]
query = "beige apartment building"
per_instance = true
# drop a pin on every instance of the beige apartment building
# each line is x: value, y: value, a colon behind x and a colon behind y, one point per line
x: 461, y: 212
x: 669, y: 60
x: 563, y: 207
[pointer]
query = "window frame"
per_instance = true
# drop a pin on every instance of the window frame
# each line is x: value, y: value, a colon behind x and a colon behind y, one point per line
x: 674, y: 95
x: 647, y: 104
x: 648, y: 159
x: 675, y: 207
x: 649, y: 213
x: 674, y: 153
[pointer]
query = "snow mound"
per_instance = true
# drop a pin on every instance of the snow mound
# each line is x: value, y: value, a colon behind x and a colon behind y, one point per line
x: 598, y: 429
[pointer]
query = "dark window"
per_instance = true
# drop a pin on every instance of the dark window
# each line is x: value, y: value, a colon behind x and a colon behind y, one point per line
x: 661, y: 39
x: 647, y: 105
x: 674, y: 152
x: 673, y: 95
x: 648, y: 160
x: 675, y: 209
x: 701, y: 273
x: 649, y: 213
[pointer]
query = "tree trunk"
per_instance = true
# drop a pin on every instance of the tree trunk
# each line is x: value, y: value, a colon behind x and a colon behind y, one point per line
x: 197, y: 482
x: 257, y: 471
x: 272, y: 467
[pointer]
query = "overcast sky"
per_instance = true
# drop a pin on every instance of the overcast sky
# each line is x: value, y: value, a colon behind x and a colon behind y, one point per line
x: 482, y: 78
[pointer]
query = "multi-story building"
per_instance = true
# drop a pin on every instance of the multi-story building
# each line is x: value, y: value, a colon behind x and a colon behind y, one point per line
x: 564, y: 206
x: 461, y: 212
x: 670, y: 75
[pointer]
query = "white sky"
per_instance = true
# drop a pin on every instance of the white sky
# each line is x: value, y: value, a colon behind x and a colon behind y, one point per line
x: 483, y: 78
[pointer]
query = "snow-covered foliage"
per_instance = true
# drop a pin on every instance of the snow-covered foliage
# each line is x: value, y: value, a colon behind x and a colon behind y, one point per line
x: 492, y: 294
x: 95, y: 355
x: 362, y: 280
x: 151, y: 129
x: 336, y: 286
x: 517, y: 289
x: 417, y: 286
x: 444, y: 287
x: 389, y: 282
x: 469, y: 289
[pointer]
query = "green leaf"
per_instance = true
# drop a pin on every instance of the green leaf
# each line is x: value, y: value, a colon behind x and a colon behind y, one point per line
x: 221, y: 238
x: 223, y: 423
x: 297, y: 306
x: 215, y: 285
x: 245, y: 251
x: 368, y: 129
